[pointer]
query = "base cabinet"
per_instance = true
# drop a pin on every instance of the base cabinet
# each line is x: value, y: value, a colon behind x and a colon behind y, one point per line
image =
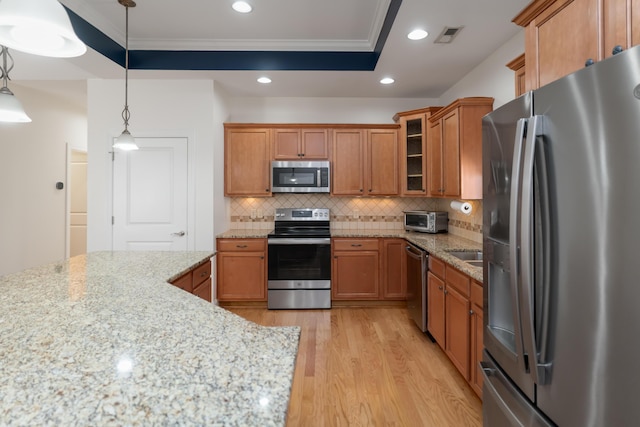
x: 241, y: 270
x: 394, y: 269
x: 197, y: 281
x: 355, y: 269
x: 477, y: 327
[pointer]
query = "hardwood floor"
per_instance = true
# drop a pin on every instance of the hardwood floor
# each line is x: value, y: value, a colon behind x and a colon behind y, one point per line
x: 370, y: 367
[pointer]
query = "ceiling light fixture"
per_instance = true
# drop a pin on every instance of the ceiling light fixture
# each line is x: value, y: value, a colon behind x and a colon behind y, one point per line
x: 417, y: 34
x: 125, y: 141
x: 242, y: 7
x: 264, y: 80
x: 10, y: 108
x: 39, y: 27
x: 387, y: 81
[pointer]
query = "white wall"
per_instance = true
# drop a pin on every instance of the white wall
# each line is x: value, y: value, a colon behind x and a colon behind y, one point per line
x: 160, y: 108
x: 492, y: 77
x: 221, y: 205
x: 33, y: 211
x: 322, y: 110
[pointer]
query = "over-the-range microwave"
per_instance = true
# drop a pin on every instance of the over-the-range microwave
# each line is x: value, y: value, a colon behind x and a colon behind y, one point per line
x: 300, y: 176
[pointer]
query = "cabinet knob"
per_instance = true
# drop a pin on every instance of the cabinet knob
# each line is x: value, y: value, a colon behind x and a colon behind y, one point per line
x: 266, y: 189
x: 439, y: 288
x: 446, y: 292
x: 370, y: 190
x: 261, y: 257
x: 471, y: 312
x: 616, y: 50
x: 361, y: 190
x: 589, y: 62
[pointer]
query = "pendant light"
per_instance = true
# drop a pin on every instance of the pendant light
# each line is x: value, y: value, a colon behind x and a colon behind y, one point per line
x: 39, y: 27
x: 125, y: 141
x: 10, y: 108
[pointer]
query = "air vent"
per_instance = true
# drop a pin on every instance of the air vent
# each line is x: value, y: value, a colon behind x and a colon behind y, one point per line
x: 448, y: 34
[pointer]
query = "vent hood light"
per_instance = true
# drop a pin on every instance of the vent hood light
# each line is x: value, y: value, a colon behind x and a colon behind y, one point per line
x: 417, y: 35
x: 387, y: 81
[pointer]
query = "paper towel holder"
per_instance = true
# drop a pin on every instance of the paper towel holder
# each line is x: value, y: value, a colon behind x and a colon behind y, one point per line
x: 461, y: 206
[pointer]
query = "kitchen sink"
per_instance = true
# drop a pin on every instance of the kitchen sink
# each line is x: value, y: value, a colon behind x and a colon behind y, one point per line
x: 475, y: 263
x: 470, y: 255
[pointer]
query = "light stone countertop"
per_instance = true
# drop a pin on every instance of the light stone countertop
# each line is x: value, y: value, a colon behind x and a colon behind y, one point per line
x: 103, y: 339
x: 436, y: 244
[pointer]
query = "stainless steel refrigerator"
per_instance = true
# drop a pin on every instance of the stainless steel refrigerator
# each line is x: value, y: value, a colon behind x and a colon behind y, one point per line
x: 561, y: 182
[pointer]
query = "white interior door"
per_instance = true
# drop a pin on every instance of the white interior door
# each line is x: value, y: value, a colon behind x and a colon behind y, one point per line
x: 150, y: 196
x: 78, y: 203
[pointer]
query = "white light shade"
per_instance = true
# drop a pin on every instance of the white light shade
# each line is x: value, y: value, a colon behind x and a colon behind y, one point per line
x: 125, y: 142
x: 39, y: 27
x: 11, y: 109
x: 387, y: 81
x: 264, y: 80
x: 242, y: 7
x: 417, y: 34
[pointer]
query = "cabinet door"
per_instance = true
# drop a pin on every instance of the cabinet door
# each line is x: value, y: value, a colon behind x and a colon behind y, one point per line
x: 635, y: 22
x: 451, y: 154
x: 348, y: 162
x: 561, y: 39
x: 355, y: 275
x: 434, y: 159
x: 241, y: 276
x: 286, y: 144
x: 204, y: 290
x: 413, y: 166
x: 476, y: 348
x: 457, y: 330
x: 394, y: 269
x: 382, y: 162
x: 184, y: 282
x: 314, y: 144
x: 247, y: 163
x: 435, y: 309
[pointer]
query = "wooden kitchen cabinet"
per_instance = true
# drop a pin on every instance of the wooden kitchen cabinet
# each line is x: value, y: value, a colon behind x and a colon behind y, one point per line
x: 436, y: 308
x: 477, y: 333
x: 247, y: 161
x: 394, y: 270
x: 241, y: 270
x: 300, y: 144
x: 517, y: 65
x: 355, y: 273
x: 561, y: 35
x: 197, y: 282
x: 457, y: 320
x: 365, y: 161
x: 455, y: 149
x: 413, y: 150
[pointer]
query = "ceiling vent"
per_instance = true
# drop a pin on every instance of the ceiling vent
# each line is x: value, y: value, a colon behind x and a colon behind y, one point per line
x: 448, y: 34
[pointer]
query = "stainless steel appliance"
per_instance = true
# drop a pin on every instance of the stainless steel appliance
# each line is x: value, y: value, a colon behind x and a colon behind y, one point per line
x: 560, y: 246
x: 299, y: 260
x: 417, y: 266
x: 300, y: 177
x: 426, y: 222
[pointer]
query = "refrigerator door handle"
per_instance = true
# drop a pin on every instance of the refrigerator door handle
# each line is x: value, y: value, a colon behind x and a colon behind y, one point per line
x: 538, y: 369
x: 514, y: 233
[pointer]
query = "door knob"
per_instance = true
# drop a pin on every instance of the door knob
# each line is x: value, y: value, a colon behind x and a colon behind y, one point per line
x: 179, y: 234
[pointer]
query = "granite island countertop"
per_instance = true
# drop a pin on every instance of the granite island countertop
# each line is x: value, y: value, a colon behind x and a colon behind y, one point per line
x: 103, y: 339
x: 437, y: 245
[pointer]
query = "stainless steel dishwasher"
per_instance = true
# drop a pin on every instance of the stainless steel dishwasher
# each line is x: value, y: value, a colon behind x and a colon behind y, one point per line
x: 417, y: 266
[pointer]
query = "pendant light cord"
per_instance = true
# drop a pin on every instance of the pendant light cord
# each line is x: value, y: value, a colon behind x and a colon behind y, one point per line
x: 125, y: 113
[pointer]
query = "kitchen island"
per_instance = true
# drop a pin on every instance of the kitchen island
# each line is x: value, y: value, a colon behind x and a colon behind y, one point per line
x: 103, y: 339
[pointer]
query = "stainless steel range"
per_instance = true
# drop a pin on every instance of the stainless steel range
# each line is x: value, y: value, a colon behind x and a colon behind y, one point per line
x: 300, y: 260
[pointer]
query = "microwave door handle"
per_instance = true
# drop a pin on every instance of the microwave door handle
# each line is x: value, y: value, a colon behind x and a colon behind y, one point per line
x: 318, y: 177
x: 514, y: 243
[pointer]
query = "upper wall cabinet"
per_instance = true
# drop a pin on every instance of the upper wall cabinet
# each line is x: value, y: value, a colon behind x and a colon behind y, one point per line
x: 300, y: 144
x: 517, y: 65
x: 365, y: 161
x: 562, y: 36
x: 247, y: 161
x: 454, y: 149
x: 413, y: 150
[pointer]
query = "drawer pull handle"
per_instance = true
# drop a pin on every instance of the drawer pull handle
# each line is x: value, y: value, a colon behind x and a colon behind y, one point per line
x: 204, y: 274
x: 356, y: 245
x: 241, y: 246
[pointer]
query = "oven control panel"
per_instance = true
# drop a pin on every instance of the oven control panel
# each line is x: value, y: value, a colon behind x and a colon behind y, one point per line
x: 302, y: 214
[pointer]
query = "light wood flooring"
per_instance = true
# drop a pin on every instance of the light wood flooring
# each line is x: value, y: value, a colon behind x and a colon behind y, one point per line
x: 370, y: 367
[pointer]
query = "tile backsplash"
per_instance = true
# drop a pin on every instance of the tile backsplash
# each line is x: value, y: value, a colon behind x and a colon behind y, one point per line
x: 357, y: 213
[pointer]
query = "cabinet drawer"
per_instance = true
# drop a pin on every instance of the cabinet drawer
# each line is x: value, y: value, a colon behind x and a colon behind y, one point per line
x: 184, y: 282
x: 201, y: 273
x: 436, y: 266
x: 355, y: 245
x: 476, y: 293
x: 241, y: 245
x: 458, y: 280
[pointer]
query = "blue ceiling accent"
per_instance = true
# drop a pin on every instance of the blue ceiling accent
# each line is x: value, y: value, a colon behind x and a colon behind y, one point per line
x: 235, y: 59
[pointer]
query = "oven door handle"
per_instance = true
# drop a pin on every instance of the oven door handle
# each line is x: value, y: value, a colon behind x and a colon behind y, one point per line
x: 300, y: 241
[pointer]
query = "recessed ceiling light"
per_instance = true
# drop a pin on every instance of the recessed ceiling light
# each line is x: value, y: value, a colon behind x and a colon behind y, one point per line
x: 387, y: 81
x: 241, y: 6
x: 417, y: 34
x: 264, y: 80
